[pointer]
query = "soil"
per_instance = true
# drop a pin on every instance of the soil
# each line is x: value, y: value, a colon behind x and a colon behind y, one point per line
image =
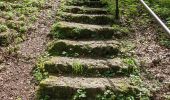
x: 15, y: 72
x: 155, y: 62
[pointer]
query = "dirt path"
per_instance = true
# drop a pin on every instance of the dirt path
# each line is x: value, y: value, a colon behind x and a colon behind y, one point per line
x: 15, y: 79
x: 155, y: 62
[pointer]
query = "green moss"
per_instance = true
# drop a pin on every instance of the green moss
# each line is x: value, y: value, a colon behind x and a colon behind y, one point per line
x: 3, y: 28
x: 9, y: 15
x: 132, y: 67
x: 62, y: 48
x: 83, y: 10
x: 61, y: 31
x: 127, y: 94
x: 4, y: 41
x: 39, y: 71
x: 82, y: 18
x: 7, y: 37
x: 77, y: 68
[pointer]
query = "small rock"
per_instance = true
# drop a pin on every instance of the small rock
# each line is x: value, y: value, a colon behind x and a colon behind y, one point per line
x: 2, y: 67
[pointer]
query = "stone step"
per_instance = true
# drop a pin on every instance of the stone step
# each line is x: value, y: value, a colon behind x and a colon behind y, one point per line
x: 85, y: 66
x: 84, y: 31
x: 64, y: 88
x: 87, y: 3
x: 86, y: 18
x: 85, y: 48
x: 84, y: 10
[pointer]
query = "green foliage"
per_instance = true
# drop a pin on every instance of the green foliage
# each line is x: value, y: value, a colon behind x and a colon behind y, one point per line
x: 46, y: 97
x: 144, y: 93
x: 77, y: 68
x: 111, y: 95
x: 132, y: 67
x: 39, y: 72
x: 127, y: 7
x: 165, y: 42
x: 80, y: 95
x: 16, y: 15
x: 108, y: 95
x: 3, y: 28
x: 12, y: 49
x: 161, y: 7
x: 121, y: 29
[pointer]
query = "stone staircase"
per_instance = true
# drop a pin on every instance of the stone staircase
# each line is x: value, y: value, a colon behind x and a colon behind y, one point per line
x: 86, y: 53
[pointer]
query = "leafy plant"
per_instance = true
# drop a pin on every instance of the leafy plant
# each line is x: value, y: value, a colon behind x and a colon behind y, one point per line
x: 39, y: 72
x: 3, y: 28
x: 108, y: 95
x: 80, y: 94
x: 77, y: 68
x: 132, y: 66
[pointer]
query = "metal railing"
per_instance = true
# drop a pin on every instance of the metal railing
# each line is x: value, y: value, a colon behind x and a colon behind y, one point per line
x: 155, y: 16
x: 149, y: 10
x: 117, y: 10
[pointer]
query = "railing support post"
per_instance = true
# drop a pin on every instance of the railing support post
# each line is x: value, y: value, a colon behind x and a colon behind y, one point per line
x: 117, y: 10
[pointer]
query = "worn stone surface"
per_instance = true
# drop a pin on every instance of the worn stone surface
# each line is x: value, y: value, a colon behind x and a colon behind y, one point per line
x: 82, y: 59
x: 90, y: 67
x: 86, y: 18
x: 65, y: 87
x: 85, y: 48
x: 90, y: 3
x: 85, y: 31
x: 84, y: 10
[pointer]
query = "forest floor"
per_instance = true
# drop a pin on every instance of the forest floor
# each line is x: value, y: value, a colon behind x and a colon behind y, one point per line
x: 16, y: 80
x: 155, y: 62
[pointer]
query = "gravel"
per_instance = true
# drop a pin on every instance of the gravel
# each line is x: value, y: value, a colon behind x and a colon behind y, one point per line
x: 16, y: 81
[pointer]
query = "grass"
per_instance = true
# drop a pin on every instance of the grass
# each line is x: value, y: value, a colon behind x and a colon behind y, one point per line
x: 18, y: 15
x: 77, y: 68
x: 3, y: 28
x: 161, y: 8
x: 39, y: 72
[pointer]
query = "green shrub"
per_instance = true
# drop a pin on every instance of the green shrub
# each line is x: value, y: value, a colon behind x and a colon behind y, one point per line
x: 3, y: 28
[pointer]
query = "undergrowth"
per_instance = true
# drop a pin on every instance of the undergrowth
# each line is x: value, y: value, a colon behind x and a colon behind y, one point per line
x: 39, y: 72
x: 16, y: 17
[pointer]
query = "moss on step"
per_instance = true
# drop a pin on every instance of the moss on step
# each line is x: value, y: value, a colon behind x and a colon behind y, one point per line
x: 78, y: 31
x: 84, y: 10
x: 89, y: 3
x: 85, y: 67
x: 87, y: 49
x: 86, y: 18
x: 66, y: 87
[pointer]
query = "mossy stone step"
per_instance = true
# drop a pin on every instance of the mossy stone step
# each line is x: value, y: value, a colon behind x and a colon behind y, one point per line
x: 84, y: 10
x: 64, y: 88
x: 69, y: 30
x: 85, y: 48
x: 88, y: 3
x: 85, y: 66
x: 86, y: 18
